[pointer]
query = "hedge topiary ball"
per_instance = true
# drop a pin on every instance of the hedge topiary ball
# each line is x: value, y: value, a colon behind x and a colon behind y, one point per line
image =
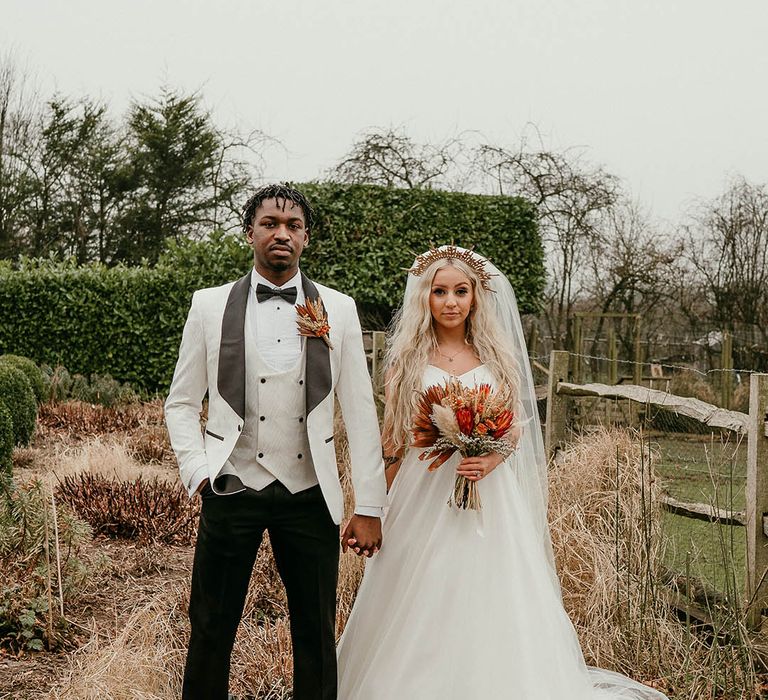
x: 6, y: 440
x: 34, y: 373
x: 18, y: 397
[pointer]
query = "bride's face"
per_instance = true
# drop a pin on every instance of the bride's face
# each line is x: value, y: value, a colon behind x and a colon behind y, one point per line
x: 451, y: 297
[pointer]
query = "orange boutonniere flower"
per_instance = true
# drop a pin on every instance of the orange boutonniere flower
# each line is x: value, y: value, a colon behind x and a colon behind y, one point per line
x: 313, y: 320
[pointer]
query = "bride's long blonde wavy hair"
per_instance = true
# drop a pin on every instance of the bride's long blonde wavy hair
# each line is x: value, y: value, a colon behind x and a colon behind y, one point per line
x: 412, y: 339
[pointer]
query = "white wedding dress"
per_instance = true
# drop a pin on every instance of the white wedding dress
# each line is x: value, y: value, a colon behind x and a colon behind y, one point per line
x: 463, y: 605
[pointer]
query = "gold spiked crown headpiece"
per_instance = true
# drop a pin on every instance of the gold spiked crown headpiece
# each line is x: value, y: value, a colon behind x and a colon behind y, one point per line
x: 452, y: 252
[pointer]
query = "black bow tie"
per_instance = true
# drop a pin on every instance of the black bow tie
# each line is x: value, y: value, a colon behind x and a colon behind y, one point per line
x: 263, y: 293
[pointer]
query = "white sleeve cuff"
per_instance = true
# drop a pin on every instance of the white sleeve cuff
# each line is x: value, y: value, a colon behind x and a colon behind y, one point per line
x: 369, y: 511
x: 197, y: 478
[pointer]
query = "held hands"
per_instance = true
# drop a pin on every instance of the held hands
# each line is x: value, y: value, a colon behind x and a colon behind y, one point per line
x: 476, y: 468
x: 363, y: 534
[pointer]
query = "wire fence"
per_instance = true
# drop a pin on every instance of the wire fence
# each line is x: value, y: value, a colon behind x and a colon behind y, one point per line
x: 694, y: 462
x: 723, y: 387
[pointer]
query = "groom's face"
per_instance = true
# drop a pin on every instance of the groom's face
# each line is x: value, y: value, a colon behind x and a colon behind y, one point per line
x: 277, y: 235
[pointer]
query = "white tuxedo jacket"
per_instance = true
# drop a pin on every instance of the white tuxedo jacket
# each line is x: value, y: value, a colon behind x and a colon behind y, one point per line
x: 212, y: 359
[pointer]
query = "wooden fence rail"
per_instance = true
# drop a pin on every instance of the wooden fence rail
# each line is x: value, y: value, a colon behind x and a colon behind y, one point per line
x: 754, y: 425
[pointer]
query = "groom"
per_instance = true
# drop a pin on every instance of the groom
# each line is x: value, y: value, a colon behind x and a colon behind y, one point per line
x: 267, y: 460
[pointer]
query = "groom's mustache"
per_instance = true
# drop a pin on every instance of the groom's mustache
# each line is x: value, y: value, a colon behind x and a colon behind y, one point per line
x: 281, y: 246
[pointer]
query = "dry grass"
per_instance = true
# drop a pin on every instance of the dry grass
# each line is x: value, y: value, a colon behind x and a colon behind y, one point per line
x: 110, y: 456
x: 79, y: 420
x: 606, y: 531
x: 607, y: 542
x: 142, y: 662
x: 151, y: 445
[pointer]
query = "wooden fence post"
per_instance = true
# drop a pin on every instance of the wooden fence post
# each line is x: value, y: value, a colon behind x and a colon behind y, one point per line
x: 377, y: 361
x: 613, y: 357
x: 757, y: 499
x: 726, y: 364
x: 577, y: 346
x: 638, y: 373
x: 557, y: 406
x: 533, y: 340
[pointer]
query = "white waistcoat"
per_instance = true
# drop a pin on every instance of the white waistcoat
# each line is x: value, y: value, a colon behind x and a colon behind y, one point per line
x: 273, y: 443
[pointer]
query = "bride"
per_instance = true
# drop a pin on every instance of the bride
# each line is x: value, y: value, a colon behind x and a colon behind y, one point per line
x: 464, y: 604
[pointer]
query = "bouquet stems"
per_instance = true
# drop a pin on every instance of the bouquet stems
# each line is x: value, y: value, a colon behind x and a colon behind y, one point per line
x: 465, y: 494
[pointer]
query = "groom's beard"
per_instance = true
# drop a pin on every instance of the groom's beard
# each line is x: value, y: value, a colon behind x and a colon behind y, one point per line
x: 282, y: 263
x: 279, y: 266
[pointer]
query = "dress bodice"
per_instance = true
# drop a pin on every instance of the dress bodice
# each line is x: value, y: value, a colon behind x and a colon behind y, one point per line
x: 478, y: 375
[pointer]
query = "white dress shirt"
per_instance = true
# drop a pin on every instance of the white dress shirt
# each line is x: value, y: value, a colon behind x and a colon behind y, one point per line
x: 277, y: 335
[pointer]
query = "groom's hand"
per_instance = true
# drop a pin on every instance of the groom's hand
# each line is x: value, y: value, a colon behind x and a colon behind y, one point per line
x: 363, y: 534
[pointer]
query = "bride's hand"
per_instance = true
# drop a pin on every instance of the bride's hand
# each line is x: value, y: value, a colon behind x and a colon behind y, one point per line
x: 476, y: 468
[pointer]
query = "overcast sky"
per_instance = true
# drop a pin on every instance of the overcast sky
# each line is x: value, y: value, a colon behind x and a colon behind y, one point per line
x: 668, y: 94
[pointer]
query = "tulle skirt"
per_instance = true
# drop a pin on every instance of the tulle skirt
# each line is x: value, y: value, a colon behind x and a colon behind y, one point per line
x: 463, y: 605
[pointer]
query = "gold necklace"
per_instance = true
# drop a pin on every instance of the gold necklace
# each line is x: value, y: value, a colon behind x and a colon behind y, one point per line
x: 450, y: 358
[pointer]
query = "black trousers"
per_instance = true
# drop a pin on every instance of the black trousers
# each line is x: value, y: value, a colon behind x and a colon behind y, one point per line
x: 305, y: 542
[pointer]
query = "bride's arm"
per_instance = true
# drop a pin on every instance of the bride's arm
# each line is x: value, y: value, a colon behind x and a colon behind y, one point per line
x: 391, y: 462
x: 392, y: 458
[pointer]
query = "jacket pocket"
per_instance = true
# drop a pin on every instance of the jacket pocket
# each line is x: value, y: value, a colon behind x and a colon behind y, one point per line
x: 327, y: 440
x: 213, y: 435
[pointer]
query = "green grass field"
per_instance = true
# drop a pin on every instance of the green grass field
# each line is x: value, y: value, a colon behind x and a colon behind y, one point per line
x: 708, y: 470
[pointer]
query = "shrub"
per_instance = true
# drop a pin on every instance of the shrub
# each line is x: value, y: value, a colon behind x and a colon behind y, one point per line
x: 18, y: 397
x: 26, y: 530
x: 143, y: 510
x: 34, y: 374
x: 59, y: 382
x: 101, y: 389
x: 6, y: 440
x: 79, y: 390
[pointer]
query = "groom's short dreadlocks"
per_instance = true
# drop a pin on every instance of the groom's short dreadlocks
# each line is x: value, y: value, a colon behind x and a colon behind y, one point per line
x: 283, y: 191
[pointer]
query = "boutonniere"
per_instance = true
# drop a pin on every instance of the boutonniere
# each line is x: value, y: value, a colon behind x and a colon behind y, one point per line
x: 313, y: 321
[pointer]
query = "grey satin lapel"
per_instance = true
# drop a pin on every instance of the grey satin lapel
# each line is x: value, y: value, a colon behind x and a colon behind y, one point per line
x: 230, y: 379
x: 318, y: 384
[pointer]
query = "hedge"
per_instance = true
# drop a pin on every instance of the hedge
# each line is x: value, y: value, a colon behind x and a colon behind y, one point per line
x: 33, y: 373
x: 366, y: 236
x: 17, y: 396
x: 127, y: 322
